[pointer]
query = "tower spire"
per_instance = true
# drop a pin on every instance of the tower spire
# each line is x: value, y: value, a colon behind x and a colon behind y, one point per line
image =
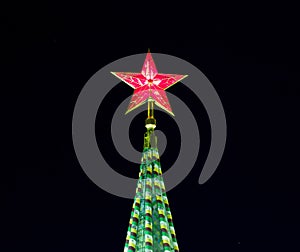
x: 151, y: 227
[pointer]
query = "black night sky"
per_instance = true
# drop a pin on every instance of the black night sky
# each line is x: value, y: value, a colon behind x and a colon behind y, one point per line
x: 251, y: 203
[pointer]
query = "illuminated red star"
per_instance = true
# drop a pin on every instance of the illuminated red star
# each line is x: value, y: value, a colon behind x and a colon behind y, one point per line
x: 149, y: 85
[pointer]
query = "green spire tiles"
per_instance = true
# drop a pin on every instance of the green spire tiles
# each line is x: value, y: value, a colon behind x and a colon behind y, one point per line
x: 151, y: 226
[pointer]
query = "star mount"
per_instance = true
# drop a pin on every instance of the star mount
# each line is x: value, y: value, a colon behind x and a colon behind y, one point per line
x: 149, y: 85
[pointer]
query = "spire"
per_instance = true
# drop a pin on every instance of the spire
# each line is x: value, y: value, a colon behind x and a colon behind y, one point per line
x: 151, y: 226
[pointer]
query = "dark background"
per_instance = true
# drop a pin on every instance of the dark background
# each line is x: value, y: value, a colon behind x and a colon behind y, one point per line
x: 51, y: 49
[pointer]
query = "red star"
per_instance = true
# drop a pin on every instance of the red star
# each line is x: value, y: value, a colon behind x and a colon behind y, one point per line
x: 149, y: 85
